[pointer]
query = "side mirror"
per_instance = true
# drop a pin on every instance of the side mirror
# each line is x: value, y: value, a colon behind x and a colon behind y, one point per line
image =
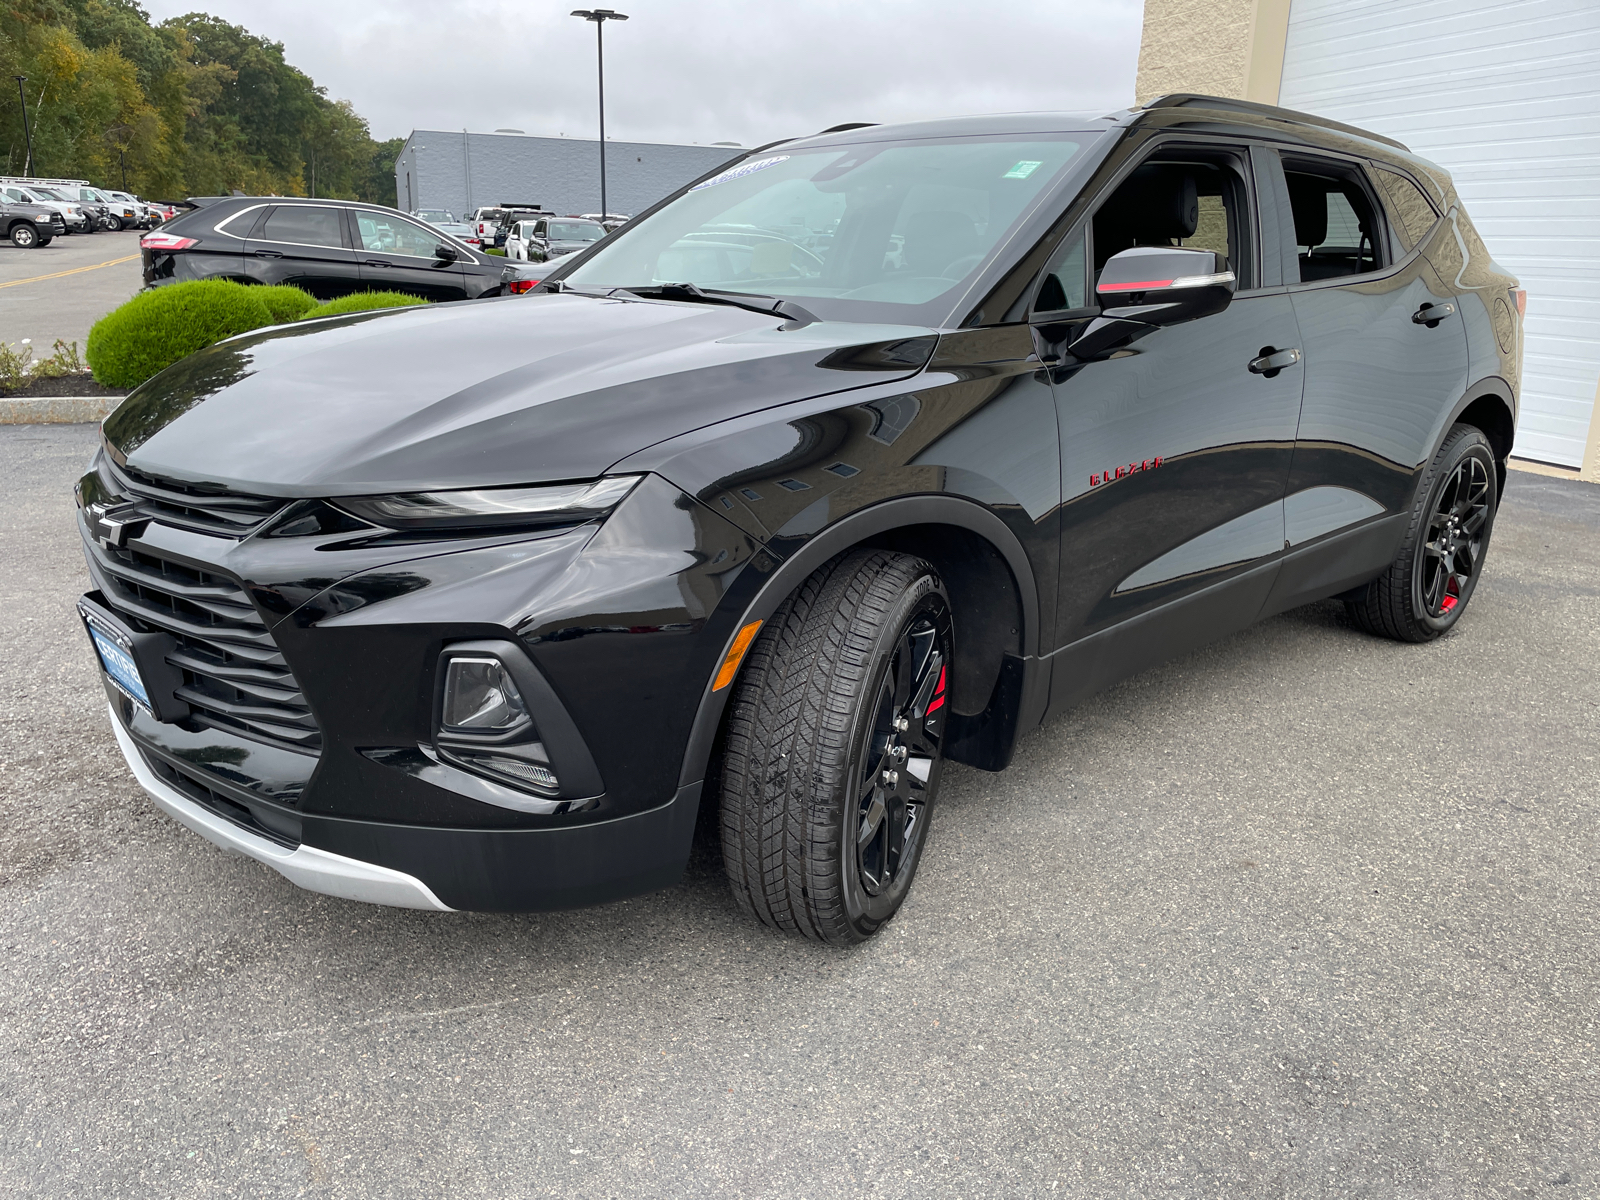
x: 445, y: 253
x: 1148, y: 287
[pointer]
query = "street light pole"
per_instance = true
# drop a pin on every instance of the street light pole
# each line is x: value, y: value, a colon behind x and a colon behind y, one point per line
x: 26, y: 131
x: 600, y: 16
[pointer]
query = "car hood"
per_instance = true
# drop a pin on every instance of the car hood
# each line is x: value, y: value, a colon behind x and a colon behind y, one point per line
x: 513, y: 390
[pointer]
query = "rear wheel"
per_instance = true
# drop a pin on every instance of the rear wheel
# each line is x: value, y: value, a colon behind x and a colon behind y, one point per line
x: 1426, y: 589
x: 24, y: 236
x: 834, y: 748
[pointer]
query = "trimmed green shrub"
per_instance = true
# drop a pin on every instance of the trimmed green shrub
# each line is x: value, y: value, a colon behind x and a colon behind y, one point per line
x: 363, y: 302
x: 495, y: 250
x: 158, y: 327
x: 286, y: 302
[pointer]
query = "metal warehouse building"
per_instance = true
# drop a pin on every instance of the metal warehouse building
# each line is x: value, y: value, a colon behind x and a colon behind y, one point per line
x: 462, y: 171
x: 1502, y: 95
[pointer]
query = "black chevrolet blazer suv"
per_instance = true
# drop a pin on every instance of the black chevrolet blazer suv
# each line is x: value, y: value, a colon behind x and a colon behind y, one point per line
x: 861, y: 455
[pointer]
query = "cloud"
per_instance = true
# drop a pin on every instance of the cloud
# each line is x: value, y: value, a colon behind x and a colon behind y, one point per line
x: 699, y: 70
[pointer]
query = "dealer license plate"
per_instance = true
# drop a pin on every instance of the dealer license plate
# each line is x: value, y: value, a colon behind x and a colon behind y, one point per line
x: 120, y: 666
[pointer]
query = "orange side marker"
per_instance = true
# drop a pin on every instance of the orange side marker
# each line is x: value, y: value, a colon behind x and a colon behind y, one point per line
x: 736, y: 652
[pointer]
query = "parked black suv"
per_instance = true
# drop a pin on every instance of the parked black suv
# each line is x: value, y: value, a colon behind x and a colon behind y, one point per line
x: 984, y: 415
x: 29, y: 226
x: 328, y: 247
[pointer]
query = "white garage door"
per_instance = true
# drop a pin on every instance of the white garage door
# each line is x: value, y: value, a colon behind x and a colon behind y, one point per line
x: 1505, y: 95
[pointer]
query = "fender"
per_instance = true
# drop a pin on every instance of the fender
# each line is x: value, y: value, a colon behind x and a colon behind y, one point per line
x: 835, y: 539
x: 1479, y: 390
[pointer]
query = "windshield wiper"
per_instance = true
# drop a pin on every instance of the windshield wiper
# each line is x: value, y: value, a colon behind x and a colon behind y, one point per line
x: 771, y: 305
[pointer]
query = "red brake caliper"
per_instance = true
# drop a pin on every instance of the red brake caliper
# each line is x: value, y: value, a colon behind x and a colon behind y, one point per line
x: 937, y: 702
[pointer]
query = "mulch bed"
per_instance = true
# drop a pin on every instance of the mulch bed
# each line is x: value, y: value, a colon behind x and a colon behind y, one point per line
x: 61, y: 385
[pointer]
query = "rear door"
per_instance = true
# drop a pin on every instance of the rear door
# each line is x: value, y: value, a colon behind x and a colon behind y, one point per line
x: 397, y: 254
x: 303, y: 245
x: 1174, y: 452
x: 1379, y: 378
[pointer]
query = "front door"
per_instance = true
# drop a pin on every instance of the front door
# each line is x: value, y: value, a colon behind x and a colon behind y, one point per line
x: 1175, y: 451
x: 303, y: 245
x: 397, y: 255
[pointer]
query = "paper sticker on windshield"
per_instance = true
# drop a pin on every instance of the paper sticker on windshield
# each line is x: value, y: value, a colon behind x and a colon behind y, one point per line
x: 1022, y: 170
x: 743, y: 169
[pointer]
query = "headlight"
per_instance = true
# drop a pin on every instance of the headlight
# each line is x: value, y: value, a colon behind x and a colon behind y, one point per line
x: 557, y: 504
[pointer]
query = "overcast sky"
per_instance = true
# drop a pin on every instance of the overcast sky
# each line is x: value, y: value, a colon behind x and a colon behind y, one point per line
x: 698, y: 70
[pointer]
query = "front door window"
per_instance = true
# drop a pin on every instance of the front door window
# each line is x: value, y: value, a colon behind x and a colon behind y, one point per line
x: 388, y: 233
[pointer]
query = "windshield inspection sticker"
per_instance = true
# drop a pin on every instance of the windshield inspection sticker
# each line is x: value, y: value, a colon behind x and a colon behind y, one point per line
x: 1022, y: 170
x: 743, y: 169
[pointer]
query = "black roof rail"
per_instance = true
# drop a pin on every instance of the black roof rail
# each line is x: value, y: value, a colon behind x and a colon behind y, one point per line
x: 845, y: 126
x: 1226, y: 104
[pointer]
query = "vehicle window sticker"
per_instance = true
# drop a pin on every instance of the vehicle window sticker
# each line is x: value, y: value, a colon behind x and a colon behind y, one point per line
x: 739, y: 172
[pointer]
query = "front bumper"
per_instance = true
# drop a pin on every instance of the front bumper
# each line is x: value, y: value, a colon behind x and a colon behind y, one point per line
x: 310, y: 868
x: 442, y: 869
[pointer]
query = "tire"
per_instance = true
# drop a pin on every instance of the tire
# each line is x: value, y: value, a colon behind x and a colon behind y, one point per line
x: 833, y: 754
x: 114, y: 224
x: 44, y: 241
x: 24, y: 236
x: 1426, y: 589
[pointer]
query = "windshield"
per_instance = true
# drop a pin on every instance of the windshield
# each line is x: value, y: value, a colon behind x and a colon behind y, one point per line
x: 873, y: 231
x: 575, y: 231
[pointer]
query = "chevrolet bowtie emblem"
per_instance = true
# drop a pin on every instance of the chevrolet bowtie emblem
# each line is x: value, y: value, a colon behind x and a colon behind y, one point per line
x: 113, y: 525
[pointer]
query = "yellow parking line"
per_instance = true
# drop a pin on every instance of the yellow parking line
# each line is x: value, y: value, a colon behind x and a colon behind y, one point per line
x: 75, y: 271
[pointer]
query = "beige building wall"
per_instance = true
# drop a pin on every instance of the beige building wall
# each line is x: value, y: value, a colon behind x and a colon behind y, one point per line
x: 1216, y: 47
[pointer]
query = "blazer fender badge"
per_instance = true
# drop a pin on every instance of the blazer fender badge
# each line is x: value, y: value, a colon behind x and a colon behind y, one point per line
x: 1148, y: 464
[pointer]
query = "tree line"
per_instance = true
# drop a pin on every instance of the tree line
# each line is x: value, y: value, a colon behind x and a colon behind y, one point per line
x: 190, y: 106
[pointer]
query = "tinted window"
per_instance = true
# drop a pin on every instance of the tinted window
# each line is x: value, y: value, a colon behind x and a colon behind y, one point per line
x: 1063, y: 285
x: 575, y: 231
x: 303, y: 225
x: 1198, y: 205
x: 1335, y: 225
x: 868, y: 231
x: 1413, y: 215
x: 388, y: 234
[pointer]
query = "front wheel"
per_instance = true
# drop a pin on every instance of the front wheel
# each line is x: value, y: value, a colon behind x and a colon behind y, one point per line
x: 1426, y: 589
x: 24, y: 237
x: 834, y: 747
x: 114, y: 224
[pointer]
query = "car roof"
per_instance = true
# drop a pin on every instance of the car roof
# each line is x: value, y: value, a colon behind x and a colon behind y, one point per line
x: 975, y: 126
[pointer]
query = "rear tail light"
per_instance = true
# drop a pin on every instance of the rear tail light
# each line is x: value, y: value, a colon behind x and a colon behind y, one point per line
x: 518, y: 286
x: 165, y: 241
x: 1520, y: 295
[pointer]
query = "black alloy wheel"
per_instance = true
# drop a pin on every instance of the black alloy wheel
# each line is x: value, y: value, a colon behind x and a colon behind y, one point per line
x: 834, y: 747
x: 24, y: 236
x: 1426, y: 589
x: 900, y: 748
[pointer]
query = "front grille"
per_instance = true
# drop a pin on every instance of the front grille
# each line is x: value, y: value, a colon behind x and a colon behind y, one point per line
x: 195, y: 506
x: 234, y: 677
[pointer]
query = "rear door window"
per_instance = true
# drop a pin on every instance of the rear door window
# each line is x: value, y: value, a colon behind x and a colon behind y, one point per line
x: 303, y: 225
x: 1337, y: 231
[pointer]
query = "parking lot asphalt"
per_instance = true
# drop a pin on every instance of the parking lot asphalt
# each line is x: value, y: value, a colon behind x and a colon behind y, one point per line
x: 60, y: 290
x: 1305, y: 914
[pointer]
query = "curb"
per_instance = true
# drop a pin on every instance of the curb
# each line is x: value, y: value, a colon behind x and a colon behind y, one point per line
x: 57, y: 410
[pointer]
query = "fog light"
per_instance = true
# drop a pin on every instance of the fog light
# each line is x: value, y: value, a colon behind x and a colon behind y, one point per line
x: 479, y: 697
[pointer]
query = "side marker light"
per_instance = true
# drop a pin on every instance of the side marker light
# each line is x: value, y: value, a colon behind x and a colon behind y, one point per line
x: 736, y: 653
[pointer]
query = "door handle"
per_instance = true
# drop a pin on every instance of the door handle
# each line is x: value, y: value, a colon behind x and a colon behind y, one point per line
x: 1431, y: 314
x: 376, y: 262
x: 1272, y: 361
x: 268, y: 254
